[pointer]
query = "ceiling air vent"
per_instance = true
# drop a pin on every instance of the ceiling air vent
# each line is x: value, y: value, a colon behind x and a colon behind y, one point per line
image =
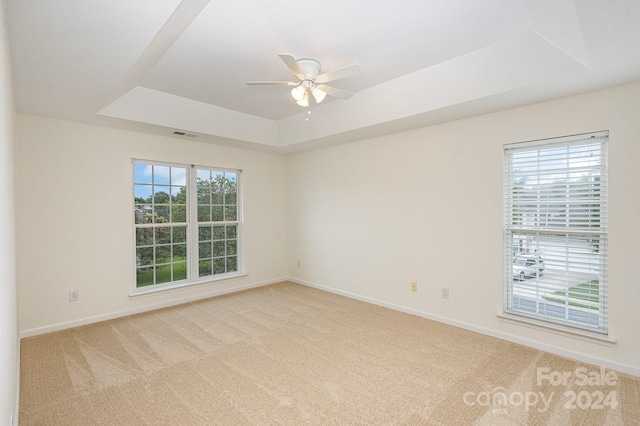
x: 189, y: 135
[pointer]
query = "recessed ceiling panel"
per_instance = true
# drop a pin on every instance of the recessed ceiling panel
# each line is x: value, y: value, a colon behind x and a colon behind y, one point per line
x: 232, y: 42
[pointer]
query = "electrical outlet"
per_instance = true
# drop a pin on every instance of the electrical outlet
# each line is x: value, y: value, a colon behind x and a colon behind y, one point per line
x: 445, y: 292
x: 414, y: 286
x: 74, y: 295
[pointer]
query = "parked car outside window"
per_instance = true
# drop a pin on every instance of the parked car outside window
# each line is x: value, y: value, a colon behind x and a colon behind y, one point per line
x: 527, y: 267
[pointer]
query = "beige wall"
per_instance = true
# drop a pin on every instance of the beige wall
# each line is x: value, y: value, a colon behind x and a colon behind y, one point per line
x: 8, y: 302
x: 368, y: 218
x: 74, y: 219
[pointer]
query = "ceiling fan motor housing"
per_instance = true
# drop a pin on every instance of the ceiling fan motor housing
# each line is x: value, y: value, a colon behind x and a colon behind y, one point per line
x: 311, y: 67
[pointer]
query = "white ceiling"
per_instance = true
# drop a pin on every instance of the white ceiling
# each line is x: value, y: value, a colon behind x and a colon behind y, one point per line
x: 164, y: 65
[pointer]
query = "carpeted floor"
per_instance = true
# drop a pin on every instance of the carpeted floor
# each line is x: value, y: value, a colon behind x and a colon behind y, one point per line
x: 287, y: 354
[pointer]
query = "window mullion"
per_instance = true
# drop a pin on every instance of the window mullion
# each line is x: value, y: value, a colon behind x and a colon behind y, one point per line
x: 192, y: 211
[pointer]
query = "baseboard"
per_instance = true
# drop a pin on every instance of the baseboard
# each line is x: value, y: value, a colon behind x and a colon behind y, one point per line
x: 151, y: 307
x: 578, y: 356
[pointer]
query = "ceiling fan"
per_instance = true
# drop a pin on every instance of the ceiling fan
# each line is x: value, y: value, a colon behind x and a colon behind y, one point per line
x: 310, y: 81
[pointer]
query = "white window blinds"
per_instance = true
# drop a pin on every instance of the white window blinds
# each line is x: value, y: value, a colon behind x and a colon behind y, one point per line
x: 555, y: 198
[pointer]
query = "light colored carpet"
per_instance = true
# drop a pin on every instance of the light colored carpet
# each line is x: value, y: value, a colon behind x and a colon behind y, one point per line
x: 286, y: 354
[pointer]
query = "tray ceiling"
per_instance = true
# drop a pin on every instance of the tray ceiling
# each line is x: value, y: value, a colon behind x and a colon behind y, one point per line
x: 164, y: 65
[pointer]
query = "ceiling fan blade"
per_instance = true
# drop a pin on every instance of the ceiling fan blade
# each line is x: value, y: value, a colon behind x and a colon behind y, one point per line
x: 335, y: 92
x: 291, y: 62
x: 265, y: 83
x: 343, y: 72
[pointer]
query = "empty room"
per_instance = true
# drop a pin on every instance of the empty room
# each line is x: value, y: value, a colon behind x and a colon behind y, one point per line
x: 346, y: 213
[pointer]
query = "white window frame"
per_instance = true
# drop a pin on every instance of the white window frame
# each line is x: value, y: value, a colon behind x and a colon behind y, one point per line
x: 549, y: 222
x: 192, y: 226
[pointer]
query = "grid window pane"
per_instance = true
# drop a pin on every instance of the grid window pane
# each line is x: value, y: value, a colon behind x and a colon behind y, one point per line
x: 179, y: 271
x: 163, y: 254
x: 218, y: 248
x: 178, y: 213
x: 232, y: 263
x: 231, y: 247
x: 144, y: 256
x: 218, y: 232
x: 179, y: 176
x: 230, y: 197
x: 163, y: 274
x: 230, y: 213
x: 204, y: 267
x: 143, y: 173
x: 219, y: 266
x: 144, y: 276
x: 204, y: 250
x: 204, y: 193
x: 217, y: 214
x: 144, y: 236
x: 142, y: 193
x: 179, y: 234
x: 162, y: 235
x: 217, y: 196
x: 203, y: 174
x: 161, y: 175
x: 232, y: 231
x: 161, y: 194
x: 204, y: 213
x: 178, y: 195
x: 204, y: 233
x: 179, y: 252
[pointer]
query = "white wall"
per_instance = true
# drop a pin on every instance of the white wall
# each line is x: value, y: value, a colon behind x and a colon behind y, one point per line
x: 364, y: 218
x: 74, y: 219
x: 369, y: 217
x: 9, y: 343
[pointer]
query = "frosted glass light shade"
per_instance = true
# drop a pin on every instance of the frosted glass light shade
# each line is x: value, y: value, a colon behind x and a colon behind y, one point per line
x: 304, y: 102
x: 298, y: 92
x: 318, y: 94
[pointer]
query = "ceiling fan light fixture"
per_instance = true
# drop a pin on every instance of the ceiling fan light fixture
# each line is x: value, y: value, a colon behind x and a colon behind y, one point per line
x: 310, y: 82
x: 318, y: 94
x: 298, y: 92
x: 304, y: 102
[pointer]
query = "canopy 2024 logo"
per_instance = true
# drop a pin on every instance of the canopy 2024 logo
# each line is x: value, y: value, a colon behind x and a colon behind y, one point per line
x: 582, y: 376
x: 500, y: 399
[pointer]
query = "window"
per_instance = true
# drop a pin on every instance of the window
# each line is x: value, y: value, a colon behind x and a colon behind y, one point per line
x: 556, y: 230
x: 186, y: 223
x: 217, y: 222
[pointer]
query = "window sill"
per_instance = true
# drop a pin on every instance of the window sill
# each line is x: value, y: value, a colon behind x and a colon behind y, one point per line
x: 585, y: 335
x: 159, y: 288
